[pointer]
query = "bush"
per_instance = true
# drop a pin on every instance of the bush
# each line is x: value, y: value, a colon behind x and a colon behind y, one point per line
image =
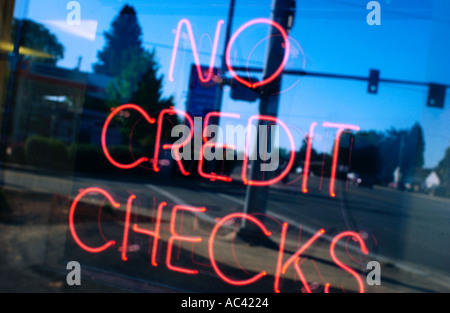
x: 4, y: 202
x: 442, y: 192
x: 122, y: 154
x: 46, y: 153
x: 87, y: 158
x: 90, y: 159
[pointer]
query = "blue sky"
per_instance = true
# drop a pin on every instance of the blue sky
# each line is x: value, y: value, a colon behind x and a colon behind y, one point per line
x: 330, y: 36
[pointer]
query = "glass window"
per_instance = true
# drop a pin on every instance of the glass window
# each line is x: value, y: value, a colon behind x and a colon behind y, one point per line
x: 274, y: 146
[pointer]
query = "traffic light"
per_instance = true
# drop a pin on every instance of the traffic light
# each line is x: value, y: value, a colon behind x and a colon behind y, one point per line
x: 436, y: 95
x: 374, y: 78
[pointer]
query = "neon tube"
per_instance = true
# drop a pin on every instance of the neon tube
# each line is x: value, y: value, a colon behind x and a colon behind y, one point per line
x: 71, y: 222
x: 194, y: 50
x: 105, y: 127
x: 126, y: 228
x: 211, y: 249
x: 176, y: 236
x: 280, y: 68
x: 308, y: 158
x: 341, y: 128
x: 154, y: 234
x: 247, y: 148
x: 175, y: 147
x: 342, y: 265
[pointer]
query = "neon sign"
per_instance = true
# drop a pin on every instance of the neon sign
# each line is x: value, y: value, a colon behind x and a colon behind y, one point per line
x: 194, y: 50
x: 341, y: 128
x: 208, y: 144
x: 280, y: 68
x: 233, y: 38
x: 105, y: 128
x: 175, y: 147
x: 282, y: 265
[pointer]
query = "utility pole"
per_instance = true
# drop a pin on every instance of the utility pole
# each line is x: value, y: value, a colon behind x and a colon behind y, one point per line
x: 223, y: 68
x: 256, y: 196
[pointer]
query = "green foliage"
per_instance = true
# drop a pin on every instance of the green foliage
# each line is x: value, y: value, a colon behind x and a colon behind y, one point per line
x: 17, y: 154
x: 37, y: 37
x: 90, y: 159
x: 122, y: 41
x: 87, y: 158
x: 4, y: 202
x: 443, y: 172
x: 380, y: 153
x: 122, y: 154
x: 47, y: 153
x: 136, y: 79
x: 129, y: 80
x: 123, y: 57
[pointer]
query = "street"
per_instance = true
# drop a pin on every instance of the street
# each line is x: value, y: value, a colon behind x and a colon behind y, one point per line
x: 406, y: 232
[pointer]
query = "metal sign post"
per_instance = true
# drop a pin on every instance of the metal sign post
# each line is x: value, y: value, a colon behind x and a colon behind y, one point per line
x: 256, y: 196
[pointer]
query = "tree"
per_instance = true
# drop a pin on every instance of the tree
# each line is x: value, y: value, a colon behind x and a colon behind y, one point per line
x: 135, y: 78
x: 443, y: 171
x: 123, y: 41
x: 123, y: 56
x: 126, y: 83
x: 365, y: 156
x: 415, y: 147
x: 42, y: 46
x: 380, y: 153
x: 300, y: 156
x: 148, y: 95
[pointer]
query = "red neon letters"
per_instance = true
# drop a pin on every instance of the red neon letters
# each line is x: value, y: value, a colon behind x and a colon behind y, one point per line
x: 341, y: 128
x: 127, y: 227
x: 228, y: 51
x: 280, y: 68
x: 154, y: 234
x: 247, y: 149
x: 175, y: 235
x: 281, y: 267
x: 105, y: 128
x: 342, y: 265
x: 194, y: 50
x: 308, y: 158
x: 72, y: 225
x: 175, y: 148
x: 211, y: 249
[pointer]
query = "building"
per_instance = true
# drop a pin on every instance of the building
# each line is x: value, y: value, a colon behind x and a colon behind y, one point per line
x: 49, y: 102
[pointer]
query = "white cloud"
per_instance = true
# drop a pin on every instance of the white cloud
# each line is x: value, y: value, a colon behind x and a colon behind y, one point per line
x: 86, y: 30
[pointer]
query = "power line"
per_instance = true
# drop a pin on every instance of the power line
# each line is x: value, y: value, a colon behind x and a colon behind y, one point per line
x: 335, y: 76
